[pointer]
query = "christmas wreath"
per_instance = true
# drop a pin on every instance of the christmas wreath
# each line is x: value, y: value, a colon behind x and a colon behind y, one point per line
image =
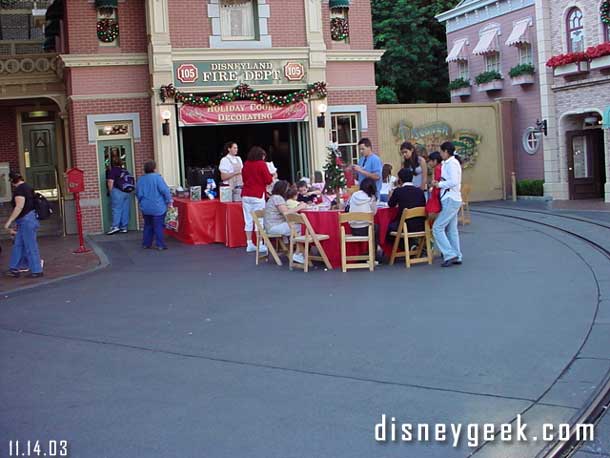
x: 107, y: 30
x: 339, y: 28
x: 604, y: 12
x: 244, y: 92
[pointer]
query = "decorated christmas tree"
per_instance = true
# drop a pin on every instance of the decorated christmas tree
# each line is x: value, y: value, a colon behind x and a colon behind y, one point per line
x: 333, y: 170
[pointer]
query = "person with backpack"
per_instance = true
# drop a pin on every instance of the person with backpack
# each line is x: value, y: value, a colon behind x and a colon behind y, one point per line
x: 120, y: 185
x: 25, y: 246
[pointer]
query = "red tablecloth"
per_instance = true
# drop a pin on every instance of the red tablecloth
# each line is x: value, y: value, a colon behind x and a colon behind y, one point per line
x: 327, y: 222
x: 209, y: 221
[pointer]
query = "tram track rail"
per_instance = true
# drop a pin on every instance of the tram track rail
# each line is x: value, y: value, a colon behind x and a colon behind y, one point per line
x: 599, y: 402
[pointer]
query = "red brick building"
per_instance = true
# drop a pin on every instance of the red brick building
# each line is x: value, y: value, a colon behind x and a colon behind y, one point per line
x: 81, y: 80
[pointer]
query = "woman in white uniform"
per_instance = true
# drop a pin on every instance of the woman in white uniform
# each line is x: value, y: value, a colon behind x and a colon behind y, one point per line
x: 230, y: 166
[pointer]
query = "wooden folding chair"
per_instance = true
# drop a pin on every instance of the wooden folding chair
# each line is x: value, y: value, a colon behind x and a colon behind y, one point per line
x: 296, y: 220
x: 403, y: 233
x: 347, y: 238
x: 464, y: 216
x: 257, y: 216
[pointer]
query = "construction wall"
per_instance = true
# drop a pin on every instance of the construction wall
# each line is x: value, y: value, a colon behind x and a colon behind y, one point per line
x: 475, y: 125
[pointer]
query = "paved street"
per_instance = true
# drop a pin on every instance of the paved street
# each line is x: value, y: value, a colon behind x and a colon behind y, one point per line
x: 195, y: 352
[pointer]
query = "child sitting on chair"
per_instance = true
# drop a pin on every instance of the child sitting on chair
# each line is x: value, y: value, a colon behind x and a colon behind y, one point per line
x: 306, y: 194
x: 291, y: 198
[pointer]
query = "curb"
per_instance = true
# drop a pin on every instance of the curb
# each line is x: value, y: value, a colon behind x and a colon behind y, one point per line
x: 104, y: 262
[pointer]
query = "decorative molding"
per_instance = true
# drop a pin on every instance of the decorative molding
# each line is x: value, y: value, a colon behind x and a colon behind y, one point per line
x: 360, y: 109
x: 112, y: 117
x: 127, y: 95
x: 347, y: 55
x: 480, y: 11
x: 103, y: 60
x: 199, y: 54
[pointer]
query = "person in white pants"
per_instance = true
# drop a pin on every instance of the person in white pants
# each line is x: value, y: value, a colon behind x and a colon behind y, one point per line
x: 256, y: 178
x: 445, y: 227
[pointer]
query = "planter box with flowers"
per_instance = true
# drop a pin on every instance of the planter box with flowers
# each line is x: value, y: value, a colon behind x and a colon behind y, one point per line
x: 489, y: 81
x: 460, y: 87
x: 522, y: 74
x: 570, y: 64
x: 599, y: 56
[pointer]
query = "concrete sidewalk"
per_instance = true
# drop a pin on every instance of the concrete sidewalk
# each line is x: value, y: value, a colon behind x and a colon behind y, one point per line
x: 59, y: 262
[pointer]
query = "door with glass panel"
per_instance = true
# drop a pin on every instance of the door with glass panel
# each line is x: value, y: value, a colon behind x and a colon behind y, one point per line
x: 586, y: 170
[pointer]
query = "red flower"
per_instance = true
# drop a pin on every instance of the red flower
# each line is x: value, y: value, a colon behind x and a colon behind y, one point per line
x: 598, y: 51
x: 566, y: 59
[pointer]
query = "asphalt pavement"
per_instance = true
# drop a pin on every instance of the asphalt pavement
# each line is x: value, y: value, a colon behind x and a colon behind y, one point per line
x: 196, y: 352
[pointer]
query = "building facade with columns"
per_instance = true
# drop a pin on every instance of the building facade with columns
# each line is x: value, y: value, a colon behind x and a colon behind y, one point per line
x: 574, y: 44
x: 82, y: 83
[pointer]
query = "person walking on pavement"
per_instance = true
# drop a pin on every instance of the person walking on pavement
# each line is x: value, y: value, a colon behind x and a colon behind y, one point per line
x: 445, y: 227
x: 154, y: 198
x: 25, y: 246
x: 120, y: 199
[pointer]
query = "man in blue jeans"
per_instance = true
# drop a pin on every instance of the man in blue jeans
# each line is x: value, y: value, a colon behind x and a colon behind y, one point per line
x: 445, y: 227
x: 119, y: 199
x: 25, y: 247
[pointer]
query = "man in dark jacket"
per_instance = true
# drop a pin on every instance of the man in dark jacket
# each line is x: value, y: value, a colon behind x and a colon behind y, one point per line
x: 407, y: 196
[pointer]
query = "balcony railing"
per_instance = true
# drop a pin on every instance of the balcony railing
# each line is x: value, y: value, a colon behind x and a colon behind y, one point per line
x: 20, y: 47
x: 39, y: 67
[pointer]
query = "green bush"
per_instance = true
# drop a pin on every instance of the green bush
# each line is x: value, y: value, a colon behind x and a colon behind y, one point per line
x: 488, y: 77
x: 522, y: 69
x: 458, y: 83
x: 530, y: 188
x: 386, y: 94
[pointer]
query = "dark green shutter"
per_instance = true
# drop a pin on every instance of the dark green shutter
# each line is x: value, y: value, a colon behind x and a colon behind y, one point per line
x: 106, y: 3
x: 338, y: 4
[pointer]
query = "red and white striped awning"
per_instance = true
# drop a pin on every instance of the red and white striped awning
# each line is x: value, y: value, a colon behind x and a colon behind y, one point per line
x: 488, y: 43
x: 520, y: 33
x: 458, y: 51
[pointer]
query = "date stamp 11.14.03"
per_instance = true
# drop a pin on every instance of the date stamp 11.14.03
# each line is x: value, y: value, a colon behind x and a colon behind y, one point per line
x: 28, y: 448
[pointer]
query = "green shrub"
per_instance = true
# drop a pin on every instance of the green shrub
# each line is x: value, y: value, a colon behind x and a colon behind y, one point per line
x: 522, y: 69
x: 488, y: 77
x: 530, y: 188
x: 458, y: 83
x: 386, y: 94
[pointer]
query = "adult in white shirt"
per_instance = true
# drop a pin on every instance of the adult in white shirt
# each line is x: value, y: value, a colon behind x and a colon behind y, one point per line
x: 230, y: 166
x: 445, y: 227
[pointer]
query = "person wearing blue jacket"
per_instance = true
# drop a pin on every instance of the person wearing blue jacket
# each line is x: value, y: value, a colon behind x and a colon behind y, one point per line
x: 154, y: 198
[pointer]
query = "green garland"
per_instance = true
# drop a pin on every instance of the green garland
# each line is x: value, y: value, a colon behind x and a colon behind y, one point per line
x: 107, y: 30
x: 604, y: 12
x: 339, y: 29
x: 244, y: 92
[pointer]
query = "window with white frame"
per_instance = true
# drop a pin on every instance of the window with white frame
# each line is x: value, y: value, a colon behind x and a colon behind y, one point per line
x: 525, y: 54
x: 492, y: 62
x: 606, y: 32
x: 575, y: 30
x: 238, y: 19
x: 345, y: 131
x: 463, y: 69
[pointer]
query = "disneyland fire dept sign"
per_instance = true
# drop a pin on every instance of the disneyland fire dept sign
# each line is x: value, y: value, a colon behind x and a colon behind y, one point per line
x: 228, y: 73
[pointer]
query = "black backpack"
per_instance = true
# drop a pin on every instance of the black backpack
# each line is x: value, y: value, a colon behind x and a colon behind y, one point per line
x: 126, y: 181
x: 42, y: 206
